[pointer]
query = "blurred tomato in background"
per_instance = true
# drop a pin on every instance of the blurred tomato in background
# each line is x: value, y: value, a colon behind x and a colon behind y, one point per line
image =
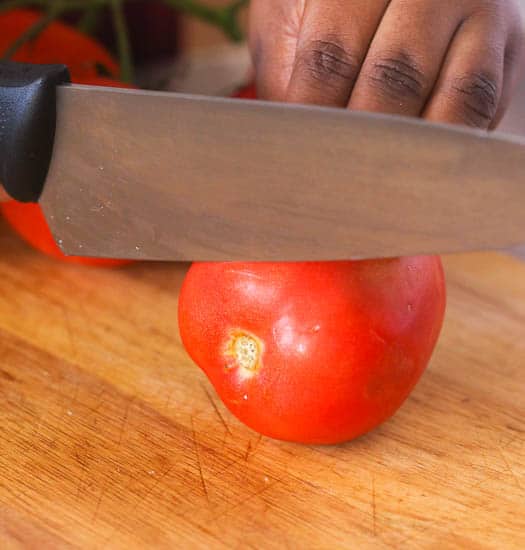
x: 153, y: 29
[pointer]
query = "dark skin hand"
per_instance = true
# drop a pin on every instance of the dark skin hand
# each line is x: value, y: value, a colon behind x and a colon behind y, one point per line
x: 443, y: 60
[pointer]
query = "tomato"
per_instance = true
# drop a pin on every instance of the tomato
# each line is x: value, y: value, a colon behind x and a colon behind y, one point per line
x: 58, y: 43
x: 313, y: 352
x: 29, y: 223
x: 247, y: 92
x: 28, y: 220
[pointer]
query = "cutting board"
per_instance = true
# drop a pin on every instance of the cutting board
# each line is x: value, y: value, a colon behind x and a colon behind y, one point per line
x: 111, y: 438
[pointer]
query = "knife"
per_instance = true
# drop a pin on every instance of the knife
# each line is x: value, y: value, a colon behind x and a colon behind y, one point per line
x: 163, y: 176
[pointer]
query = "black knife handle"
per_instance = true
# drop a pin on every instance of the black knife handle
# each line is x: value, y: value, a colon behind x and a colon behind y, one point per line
x: 27, y: 125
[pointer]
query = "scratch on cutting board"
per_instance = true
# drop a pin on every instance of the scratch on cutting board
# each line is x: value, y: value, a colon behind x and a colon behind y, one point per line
x: 216, y: 409
x: 102, y: 492
x: 168, y: 400
x: 38, y: 426
x: 146, y: 495
x: 509, y: 468
x: 510, y: 442
x: 336, y: 473
x: 83, y: 465
x: 514, y: 428
x: 69, y: 330
x: 243, y: 501
x: 7, y: 399
x: 124, y: 420
x: 6, y: 376
x: 374, y: 511
x: 248, y: 449
x: 199, y: 465
x: 81, y: 480
x: 485, y: 479
x: 251, y: 450
x: 100, y: 403
x: 139, y: 502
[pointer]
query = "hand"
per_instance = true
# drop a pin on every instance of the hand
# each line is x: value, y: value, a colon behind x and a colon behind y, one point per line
x: 444, y: 60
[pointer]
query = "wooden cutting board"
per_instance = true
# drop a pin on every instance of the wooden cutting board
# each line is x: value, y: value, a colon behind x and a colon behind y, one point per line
x: 111, y: 438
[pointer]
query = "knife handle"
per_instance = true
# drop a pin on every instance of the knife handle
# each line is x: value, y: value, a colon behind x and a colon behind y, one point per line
x: 27, y: 125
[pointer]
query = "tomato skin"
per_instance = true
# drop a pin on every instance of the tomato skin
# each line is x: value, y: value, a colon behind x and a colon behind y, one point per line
x: 342, y: 343
x: 58, y: 43
x: 246, y: 92
x: 28, y: 221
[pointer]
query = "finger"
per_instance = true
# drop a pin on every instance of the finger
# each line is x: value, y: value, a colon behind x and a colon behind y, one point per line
x: 513, y: 63
x: 469, y: 88
x: 405, y: 57
x: 273, y: 31
x: 333, y: 42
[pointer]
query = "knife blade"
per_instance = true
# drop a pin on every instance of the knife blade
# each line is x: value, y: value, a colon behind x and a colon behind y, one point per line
x: 162, y: 176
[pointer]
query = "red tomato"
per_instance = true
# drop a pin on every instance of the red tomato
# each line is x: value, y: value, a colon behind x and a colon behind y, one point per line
x: 58, y: 43
x: 28, y: 220
x: 29, y: 223
x: 317, y: 352
x: 247, y: 92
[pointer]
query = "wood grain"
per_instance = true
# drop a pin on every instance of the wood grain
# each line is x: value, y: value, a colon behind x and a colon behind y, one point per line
x: 111, y: 438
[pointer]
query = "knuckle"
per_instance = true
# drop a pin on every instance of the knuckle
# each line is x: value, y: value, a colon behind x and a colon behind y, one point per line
x: 496, y: 11
x: 398, y: 77
x: 515, y: 46
x: 477, y: 97
x: 328, y: 60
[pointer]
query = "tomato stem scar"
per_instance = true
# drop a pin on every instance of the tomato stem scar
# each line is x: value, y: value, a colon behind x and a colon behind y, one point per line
x: 245, y: 350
